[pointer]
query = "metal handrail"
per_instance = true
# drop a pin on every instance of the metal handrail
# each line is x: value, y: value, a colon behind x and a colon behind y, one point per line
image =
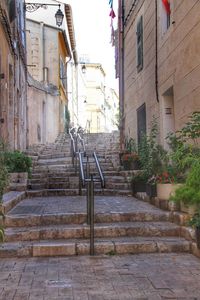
x: 99, y: 170
x: 81, y: 169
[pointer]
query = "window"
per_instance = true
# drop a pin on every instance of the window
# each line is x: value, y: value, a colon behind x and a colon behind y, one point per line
x: 140, y: 44
x: 63, y: 75
x: 141, y: 122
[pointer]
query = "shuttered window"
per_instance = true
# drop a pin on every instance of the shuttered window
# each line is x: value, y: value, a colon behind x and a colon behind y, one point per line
x: 140, y: 44
x: 141, y: 122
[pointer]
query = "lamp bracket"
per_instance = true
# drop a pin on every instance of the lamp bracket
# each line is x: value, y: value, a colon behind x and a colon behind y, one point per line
x: 31, y: 7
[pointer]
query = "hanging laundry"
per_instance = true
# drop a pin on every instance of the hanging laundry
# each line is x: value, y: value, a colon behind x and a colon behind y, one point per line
x: 167, y: 6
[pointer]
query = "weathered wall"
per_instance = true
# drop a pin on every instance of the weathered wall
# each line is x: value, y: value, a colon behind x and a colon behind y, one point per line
x: 47, y: 93
x: 13, y: 96
x: 43, y: 111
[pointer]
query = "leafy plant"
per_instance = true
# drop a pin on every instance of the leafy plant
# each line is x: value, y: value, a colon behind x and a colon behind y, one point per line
x: 190, y: 191
x: 140, y: 177
x: 2, y: 235
x: 17, y: 161
x: 152, y: 155
x: 130, y: 145
x: 3, y: 175
x: 130, y: 157
x: 195, y: 220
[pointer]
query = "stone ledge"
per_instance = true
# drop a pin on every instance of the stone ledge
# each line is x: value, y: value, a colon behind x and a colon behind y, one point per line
x: 11, y: 199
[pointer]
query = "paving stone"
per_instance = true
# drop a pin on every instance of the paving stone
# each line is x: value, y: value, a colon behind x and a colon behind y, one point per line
x: 164, y: 276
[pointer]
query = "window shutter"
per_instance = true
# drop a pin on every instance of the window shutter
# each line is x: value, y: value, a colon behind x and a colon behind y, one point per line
x: 141, y: 122
x: 140, y: 44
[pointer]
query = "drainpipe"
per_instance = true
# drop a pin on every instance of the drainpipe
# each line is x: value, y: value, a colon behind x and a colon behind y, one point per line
x: 121, y: 70
x: 156, y: 45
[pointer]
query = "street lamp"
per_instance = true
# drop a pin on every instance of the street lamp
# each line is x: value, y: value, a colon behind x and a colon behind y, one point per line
x: 32, y: 7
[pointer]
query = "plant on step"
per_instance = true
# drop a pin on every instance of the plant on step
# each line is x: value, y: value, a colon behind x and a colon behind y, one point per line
x: 129, y: 158
x: 152, y: 155
x: 2, y: 234
x: 182, y: 155
x: 17, y: 162
x: 4, y: 177
x: 195, y: 223
x: 138, y: 182
x: 189, y: 193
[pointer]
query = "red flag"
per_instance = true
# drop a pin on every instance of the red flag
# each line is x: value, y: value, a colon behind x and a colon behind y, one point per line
x: 112, y: 14
x: 167, y: 6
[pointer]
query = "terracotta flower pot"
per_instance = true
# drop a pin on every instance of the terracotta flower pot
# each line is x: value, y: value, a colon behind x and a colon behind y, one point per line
x: 165, y: 190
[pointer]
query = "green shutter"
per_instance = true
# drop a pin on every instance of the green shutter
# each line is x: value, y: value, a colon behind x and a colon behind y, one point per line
x: 140, y: 44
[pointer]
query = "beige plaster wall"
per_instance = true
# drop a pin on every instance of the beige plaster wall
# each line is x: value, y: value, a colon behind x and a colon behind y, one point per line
x: 43, y: 126
x: 178, y: 64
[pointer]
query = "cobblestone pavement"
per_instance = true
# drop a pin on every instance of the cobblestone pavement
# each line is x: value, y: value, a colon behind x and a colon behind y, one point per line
x: 144, y: 276
x: 77, y: 204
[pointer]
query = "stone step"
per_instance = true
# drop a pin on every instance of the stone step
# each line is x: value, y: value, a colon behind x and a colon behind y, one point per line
x: 63, y: 174
x: 131, y: 229
x: 18, y: 219
x: 38, y: 186
x: 36, y: 179
x: 54, y: 156
x: 54, y: 161
x: 110, y: 246
x: 61, y: 184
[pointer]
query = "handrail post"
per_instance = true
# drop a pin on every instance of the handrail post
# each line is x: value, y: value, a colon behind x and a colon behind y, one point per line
x: 88, y: 191
x: 91, y: 188
x: 80, y: 181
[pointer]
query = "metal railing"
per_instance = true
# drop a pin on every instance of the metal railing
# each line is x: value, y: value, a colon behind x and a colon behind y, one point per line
x: 86, y: 178
x: 99, y: 170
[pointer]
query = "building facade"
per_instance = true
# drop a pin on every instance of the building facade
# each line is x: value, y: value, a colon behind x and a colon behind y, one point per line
x: 13, y: 75
x: 91, y: 98
x: 49, y: 50
x: 159, y: 64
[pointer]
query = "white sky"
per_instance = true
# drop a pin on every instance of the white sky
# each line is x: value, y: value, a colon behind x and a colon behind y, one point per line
x: 93, y: 33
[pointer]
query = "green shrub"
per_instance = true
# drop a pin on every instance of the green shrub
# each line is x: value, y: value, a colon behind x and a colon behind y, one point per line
x: 2, y: 235
x: 3, y: 178
x: 190, y: 191
x: 17, y: 162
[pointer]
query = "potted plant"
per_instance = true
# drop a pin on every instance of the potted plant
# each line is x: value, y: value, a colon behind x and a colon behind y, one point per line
x: 138, y: 183
x: 151, y: 187
x: 195, y: 223
x: 130, y: 161
x: 188, y: 195
x: 152, y: 155
x: 2, y: 234
x: 168, y: 181
x: 19, y: 167
x: 129, y: 158
x: 3, y: 177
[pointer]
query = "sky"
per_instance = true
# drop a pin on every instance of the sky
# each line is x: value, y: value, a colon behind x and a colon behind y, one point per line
x: 93, y: 33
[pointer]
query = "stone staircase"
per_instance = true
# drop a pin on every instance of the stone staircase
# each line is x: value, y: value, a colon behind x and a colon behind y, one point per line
x: 54, y: 174
x: 56, y: 226
x: 51, y: 221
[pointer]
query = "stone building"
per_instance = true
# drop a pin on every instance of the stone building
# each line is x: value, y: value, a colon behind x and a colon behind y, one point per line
x: 13, y: 95
x: 49, y: 50
x: 159, y: 64
x: 92, y: 97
